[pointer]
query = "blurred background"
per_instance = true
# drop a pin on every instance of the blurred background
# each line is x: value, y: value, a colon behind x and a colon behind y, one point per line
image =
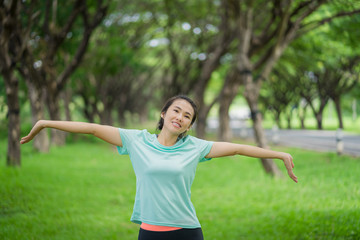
x: 271, y: 73
x: 248, y: 64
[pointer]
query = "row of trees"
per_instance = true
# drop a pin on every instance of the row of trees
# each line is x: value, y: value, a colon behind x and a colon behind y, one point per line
x: 319, y: 76
x: 142, y: 52
x: 42, y: 43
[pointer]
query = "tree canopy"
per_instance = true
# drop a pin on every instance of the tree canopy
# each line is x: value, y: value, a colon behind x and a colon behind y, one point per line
x: 119, y: 60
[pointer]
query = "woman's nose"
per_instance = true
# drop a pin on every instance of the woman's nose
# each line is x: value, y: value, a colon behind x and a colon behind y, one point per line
x: 179, y: 117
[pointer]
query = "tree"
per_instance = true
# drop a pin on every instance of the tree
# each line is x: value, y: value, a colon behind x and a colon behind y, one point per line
x: 198, y: 35
x: 315, y: 87
x: 23, y: 53
x: 340, y: 59
x: 340, y: 80
x: 228, y: 92
x: 59, y: 27
x: 117, y: 72
x: 219, y: 45
x: 279, y: 95
x: 13, y: 41
x: 323, y: 61
x: 263, y: 38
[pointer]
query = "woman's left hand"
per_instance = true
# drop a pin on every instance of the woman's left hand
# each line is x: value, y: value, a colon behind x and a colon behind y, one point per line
x: 289, y: 164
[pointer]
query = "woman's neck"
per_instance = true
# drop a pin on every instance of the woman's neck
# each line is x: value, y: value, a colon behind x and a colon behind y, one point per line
x: 167, y: 139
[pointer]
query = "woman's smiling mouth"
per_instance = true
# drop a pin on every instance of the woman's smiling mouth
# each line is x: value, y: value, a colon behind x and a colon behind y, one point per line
x: 175, y: 124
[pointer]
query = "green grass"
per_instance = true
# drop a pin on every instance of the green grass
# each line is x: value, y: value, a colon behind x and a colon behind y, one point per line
x: 86, y: 191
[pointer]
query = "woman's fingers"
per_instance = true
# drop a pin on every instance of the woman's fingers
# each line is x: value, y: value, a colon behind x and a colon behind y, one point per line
x: 292, y: 163
x: 25, y: 139
x: 289, y: 164
x: 292, y: 176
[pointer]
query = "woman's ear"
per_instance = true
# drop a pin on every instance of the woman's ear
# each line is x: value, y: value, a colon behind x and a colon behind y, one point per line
x: 162, y: 115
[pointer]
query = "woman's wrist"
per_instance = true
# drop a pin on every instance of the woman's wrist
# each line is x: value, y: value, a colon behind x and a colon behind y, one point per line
x: 282, y: 155
x: 42, y: 123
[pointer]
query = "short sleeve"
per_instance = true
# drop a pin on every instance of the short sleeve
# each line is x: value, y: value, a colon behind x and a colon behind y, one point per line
x: 127, y: 136
x: 205, y: 147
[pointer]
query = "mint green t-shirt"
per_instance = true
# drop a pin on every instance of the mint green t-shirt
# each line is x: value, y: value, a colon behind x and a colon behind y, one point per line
x: 164, y: 176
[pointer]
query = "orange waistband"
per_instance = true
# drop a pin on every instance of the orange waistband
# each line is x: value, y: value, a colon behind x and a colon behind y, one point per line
x: 157, y: 228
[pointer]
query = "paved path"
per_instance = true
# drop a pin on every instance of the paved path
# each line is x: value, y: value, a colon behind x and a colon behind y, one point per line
x: 311, y: 139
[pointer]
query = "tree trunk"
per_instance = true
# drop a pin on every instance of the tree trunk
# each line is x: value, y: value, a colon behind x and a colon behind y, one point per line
x: 144, y: 115
x: 339, y: 113
x: 105, y: 116
x: 57, y: 137
x: 302, y: 123
x: 202, y: 116
x: 252, y: 94
x: 220, y: 46
x: 277, y: 119
x: 66, y: 96
x: 288, y: 118
x: 228, y: 93
x: 319, y: 121
x: 225, y: 132
x: 36, y: 96
x: 121, y: 118
x: 89, y: 109
x: 319, y: 114
x: 203, y: 108
x: 13, y: 157
x: 37, y: 101
x: 302, y: 117
x: 55, y: 75
x: 11, y: 50
x: 252, y: 88
x: 268, y: 164
x: 201, y: 123
x: 90, y: 115
x: 289, y: 122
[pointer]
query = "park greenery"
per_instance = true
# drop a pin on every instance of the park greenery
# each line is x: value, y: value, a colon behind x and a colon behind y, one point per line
x: 294, y: 63
x: 85, y: 190
x: 116, y: 61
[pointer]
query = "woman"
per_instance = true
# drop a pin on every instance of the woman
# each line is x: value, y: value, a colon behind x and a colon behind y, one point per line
x: 164, y: 166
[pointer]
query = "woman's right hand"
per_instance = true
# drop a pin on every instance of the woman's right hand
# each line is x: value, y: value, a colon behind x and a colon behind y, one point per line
x: 34, y: 131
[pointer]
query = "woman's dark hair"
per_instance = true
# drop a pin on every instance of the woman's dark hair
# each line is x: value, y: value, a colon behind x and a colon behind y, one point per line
x: 169, y: 102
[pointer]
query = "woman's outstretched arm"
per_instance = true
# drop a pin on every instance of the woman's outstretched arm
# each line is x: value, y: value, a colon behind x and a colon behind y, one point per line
x: 222, y: 149
x: 107, y: 133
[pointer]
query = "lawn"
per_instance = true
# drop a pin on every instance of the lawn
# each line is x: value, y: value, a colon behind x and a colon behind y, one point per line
x: 85, y: 190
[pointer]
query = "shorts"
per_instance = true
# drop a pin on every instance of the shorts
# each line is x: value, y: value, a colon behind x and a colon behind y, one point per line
x: 180, y: 234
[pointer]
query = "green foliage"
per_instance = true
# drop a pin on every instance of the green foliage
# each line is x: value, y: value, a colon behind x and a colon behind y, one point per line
x: 55, y: 23
x: 109, y: 55
x: 86, y: 191
x: 325, y: 53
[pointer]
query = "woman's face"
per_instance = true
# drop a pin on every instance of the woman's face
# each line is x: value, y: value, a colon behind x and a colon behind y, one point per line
x: 178, y: 117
